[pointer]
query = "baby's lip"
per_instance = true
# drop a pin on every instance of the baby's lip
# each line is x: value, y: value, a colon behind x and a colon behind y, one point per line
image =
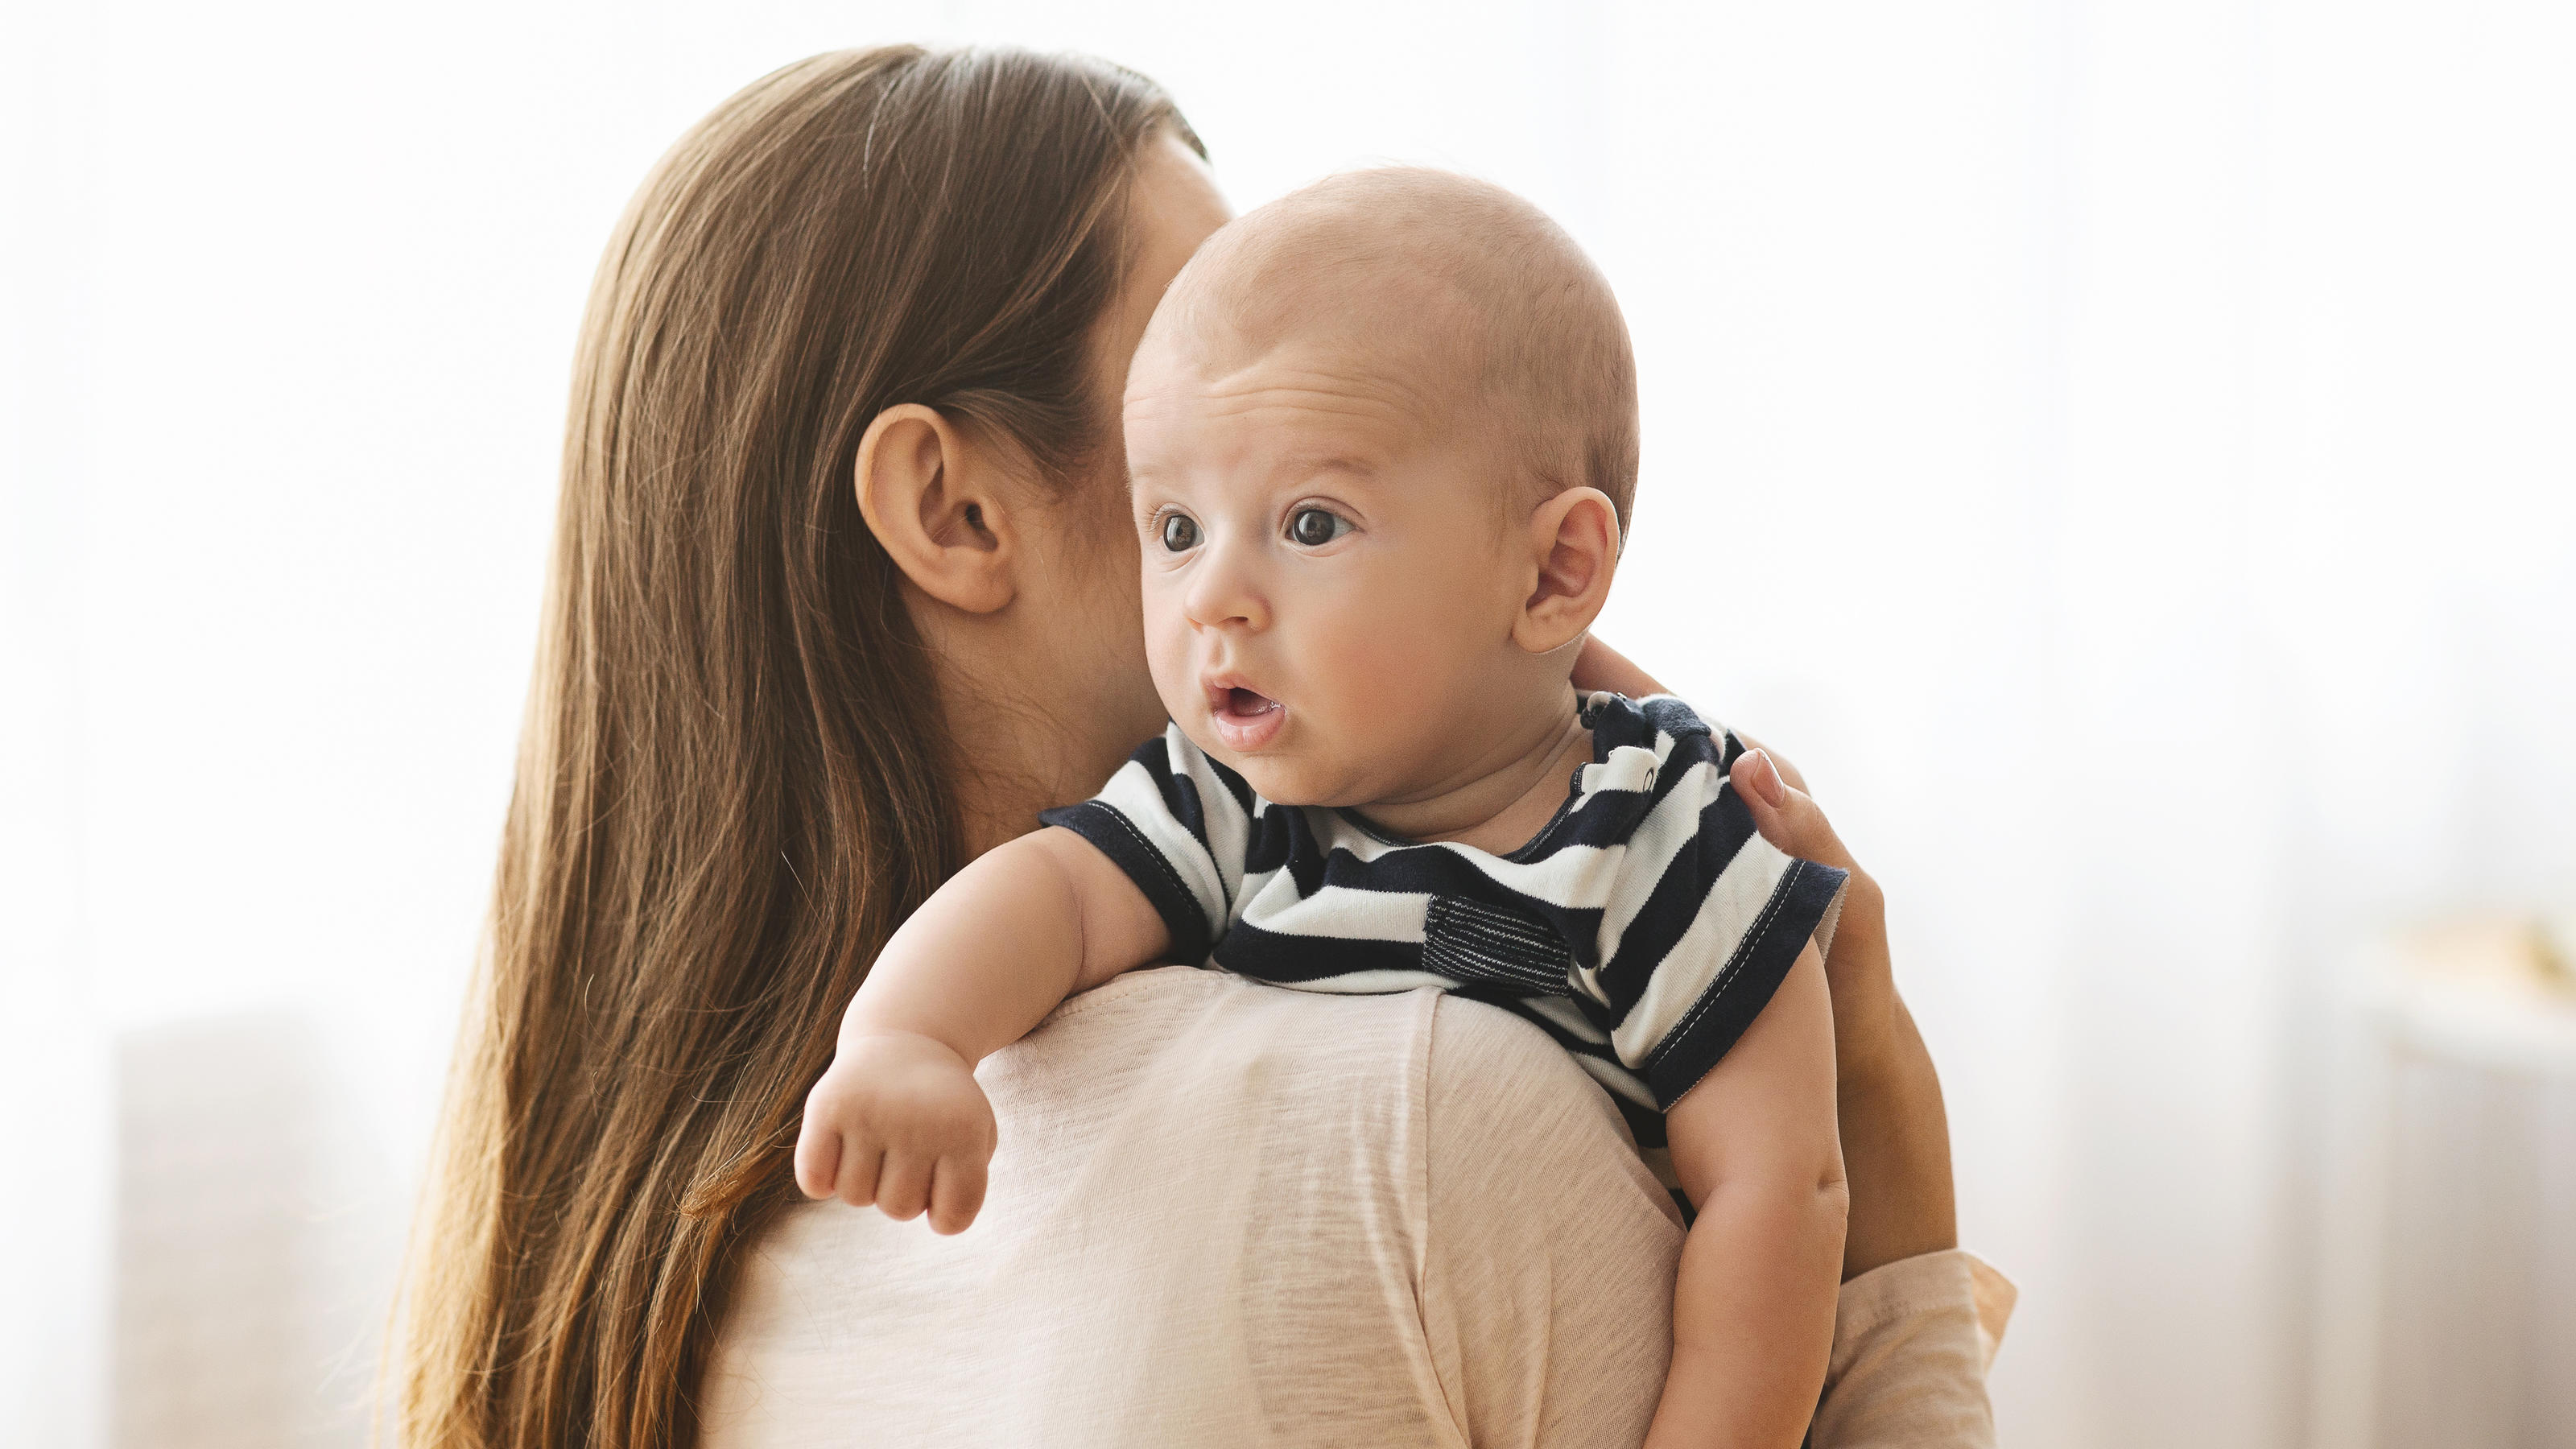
x: 1221, y: 687
x: 1244, y: 717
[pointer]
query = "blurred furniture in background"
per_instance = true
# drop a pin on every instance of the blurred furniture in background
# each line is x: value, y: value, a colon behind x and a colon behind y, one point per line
x: 2447, y: 1273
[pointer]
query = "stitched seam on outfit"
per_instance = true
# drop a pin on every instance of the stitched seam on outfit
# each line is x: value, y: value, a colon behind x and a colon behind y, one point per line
x: 1106, y: 991
x: 1896, y: 1311
x: 1895, y: 1306
x: 1726, y: 977
x: 1417, y: 1068
x: 1170, y: 875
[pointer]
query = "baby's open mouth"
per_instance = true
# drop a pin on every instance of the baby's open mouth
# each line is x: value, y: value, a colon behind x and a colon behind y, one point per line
x: 1246, y: 719
x: 1244, y: 703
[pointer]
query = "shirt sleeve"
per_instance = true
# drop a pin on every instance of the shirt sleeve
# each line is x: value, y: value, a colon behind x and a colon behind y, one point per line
x: 1691, y: 952
x: 1912, y: 1343
x: 1179, y: 824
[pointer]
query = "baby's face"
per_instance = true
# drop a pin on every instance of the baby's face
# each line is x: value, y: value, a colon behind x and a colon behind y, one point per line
x: 1329, y: 587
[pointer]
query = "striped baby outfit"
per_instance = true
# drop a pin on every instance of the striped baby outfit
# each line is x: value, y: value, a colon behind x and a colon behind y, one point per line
x: 1643, y: 928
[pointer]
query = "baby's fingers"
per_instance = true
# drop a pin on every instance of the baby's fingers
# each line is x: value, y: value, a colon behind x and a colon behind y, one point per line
x: 956, y: 1194
x: 903, y: 1186
x: 818, y: 1158
x: 861, y: 1160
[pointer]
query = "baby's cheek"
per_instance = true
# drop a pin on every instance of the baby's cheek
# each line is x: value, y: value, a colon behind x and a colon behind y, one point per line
x: 1167, y: 656
x: 1380, y: 662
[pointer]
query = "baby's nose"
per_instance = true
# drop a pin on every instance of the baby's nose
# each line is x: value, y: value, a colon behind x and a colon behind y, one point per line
x: 1226, y: 594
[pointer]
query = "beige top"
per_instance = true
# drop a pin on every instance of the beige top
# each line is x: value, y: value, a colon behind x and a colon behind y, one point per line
x: 1224, y: 1213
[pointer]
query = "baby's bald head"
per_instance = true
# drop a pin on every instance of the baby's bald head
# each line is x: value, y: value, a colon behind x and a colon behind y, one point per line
x: 1460, y: 294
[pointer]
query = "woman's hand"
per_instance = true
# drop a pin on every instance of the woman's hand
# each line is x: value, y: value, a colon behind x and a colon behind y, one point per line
x: 1864, y: 982
x: 1598, y: 666
x: 1896, y: 1137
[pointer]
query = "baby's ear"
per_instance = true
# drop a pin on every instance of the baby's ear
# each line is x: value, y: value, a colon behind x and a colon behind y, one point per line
x: 1574, y: 541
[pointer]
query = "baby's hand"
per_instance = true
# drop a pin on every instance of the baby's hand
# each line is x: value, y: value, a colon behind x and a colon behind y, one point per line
x: 898, y: 1121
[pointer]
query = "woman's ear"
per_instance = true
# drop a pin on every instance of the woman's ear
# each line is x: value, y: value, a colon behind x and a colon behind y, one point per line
x: 1574, y: 539
x: 934, y: 503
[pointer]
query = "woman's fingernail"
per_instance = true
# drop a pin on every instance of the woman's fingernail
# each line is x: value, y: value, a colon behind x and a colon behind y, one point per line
x: 1766, y: 778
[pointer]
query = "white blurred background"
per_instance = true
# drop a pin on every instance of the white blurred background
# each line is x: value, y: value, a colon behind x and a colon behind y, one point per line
x: 2124, y: 452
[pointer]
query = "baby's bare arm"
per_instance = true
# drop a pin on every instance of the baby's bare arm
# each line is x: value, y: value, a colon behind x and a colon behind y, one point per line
x: 898, y: 1120
x: 1753, y: 1313
x: 1006, y: 940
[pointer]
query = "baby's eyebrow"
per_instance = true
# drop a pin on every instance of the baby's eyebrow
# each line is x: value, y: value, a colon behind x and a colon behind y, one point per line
x: 1307, y: 465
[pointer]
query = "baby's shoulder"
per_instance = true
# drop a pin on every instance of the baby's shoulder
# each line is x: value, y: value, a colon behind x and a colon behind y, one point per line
x: 1660, y: 723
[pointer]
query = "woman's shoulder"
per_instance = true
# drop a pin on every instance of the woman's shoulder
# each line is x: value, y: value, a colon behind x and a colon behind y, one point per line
x: 1548, y: 1287
x: 1166, y: 1139
x: 1514, y: 1115
x: 1214, y: 1038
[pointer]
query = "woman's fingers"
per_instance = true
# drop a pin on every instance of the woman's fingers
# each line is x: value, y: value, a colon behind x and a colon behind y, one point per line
x: 956, y: 1194
x: 1598, y: 666
x: 1786, y: 815
x: 1856, y: 966
x: 1788, y: 771
x: 1896, y: 1143
x: 1791, y: 820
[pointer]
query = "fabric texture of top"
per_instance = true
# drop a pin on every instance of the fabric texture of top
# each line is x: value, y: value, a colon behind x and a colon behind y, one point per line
x: 1226, y: 1214
x: 1643, y: 928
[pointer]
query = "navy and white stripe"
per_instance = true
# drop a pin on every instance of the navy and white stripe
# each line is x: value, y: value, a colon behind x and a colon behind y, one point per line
x: 1643, y: 929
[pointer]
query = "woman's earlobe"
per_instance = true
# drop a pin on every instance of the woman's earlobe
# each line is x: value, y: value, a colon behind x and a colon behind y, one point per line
x: 928, y: 496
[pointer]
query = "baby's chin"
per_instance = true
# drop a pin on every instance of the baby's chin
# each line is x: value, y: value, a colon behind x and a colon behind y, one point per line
x: 1286, y: 776
x: 1288, y: 782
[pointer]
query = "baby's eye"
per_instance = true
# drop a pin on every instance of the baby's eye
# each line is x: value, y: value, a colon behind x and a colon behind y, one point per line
x: 1315, y: 527
x: 1180, y: 533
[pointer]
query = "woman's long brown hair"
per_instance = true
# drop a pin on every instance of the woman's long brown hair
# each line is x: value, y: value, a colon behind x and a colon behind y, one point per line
x: 731, y: 782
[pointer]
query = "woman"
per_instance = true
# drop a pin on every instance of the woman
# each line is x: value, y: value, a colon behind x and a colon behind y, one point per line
x: 843, y: 593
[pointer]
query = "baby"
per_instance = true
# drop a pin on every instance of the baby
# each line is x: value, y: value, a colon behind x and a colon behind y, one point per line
x: 1382, y: 442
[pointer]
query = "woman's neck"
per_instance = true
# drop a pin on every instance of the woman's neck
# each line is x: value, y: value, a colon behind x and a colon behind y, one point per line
x: 1005, y: 773
x: 1013, y: 756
